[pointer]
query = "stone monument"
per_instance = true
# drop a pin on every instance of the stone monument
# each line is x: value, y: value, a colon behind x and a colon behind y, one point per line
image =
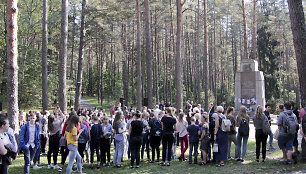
x: 249, y: 86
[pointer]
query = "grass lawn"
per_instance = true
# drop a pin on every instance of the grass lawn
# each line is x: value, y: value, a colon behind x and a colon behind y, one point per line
x: 249, y: 166
x: 107, y: 103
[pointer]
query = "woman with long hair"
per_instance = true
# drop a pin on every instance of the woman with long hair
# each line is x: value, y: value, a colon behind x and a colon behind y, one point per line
x: 72, y: 135
x: 135, y: 131
x: 118, y: 127
x: 232, y: 133
x: 243, y: 121
x: 260, y: 137
x: 182, y: 130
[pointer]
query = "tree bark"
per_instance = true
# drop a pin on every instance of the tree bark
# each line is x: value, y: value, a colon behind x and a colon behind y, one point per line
x: 254, y: 33
x: 178, y: 62
x: 139, y: 84
x: 205, y: 64
x: 148, y: 52
x: 298, y: 28
x: 245, y: 34
x: 44, y: 56
x: 12, y: 63
x: 81, y: 57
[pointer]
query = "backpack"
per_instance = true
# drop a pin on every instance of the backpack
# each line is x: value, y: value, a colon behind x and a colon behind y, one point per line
x: 226, y: 125
x: 266, y: 129
x: 244, y: 128
x: 156, y: 128
x: 290, y: 124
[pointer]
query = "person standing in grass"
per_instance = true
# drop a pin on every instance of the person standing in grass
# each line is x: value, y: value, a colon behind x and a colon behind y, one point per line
x: 135, y: 132
x: 72, y: 135
x: 118, y: 127
x: 182, y: 130
x: 220, y: 137
x: 8, y: 146
x: 204, y: 140
x: 261, y: 138
x: 168, y: 123
x: 194, y: 132
x: 84, y: 136
x: 29, y: 141
x: 232, y: 134
x: 107, y: 132
x: 95, y: 138
x: 243, y: 121
x: 155, y: 135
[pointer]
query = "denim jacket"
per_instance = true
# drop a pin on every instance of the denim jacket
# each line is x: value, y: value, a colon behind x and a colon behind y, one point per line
x: 24, y: 136
x: 84, y: 135
x: 109, y: 131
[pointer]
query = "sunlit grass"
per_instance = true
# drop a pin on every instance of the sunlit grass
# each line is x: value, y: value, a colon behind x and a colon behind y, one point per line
x: 249, y: 166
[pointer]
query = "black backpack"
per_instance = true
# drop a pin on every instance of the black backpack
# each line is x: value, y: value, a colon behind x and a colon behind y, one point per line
x: 244, y: 128
x: 211, y: 123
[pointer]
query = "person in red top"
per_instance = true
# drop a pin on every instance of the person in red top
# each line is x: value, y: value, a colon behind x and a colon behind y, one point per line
x: 112, y: 110
x: 302, y: 112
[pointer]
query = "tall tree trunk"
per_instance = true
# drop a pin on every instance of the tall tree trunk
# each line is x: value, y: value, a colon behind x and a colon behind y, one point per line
x: 245, y: 34
x: 12, y: 63
x: 198, y: 60
x: 254, y: 33
x: 44, y: 57
x: 81, y: 57
x: 90, y: 64
x: 299, y: 39
x: 205, y: 64
x: 139, y: 84
x: 178, y: 62
x: 148, y: 52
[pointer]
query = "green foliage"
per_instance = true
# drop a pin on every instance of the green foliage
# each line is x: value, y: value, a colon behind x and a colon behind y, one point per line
x: 269, y: 63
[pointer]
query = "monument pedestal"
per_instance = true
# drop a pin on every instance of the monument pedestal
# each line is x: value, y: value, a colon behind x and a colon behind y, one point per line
x: 249, y: 86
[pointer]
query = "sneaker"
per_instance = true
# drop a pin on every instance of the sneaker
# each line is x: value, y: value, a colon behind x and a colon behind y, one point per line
x: 108, y: 163
x: 50, y: 166
x: 41, y: 164
x: 229, y: 158
x: 238, y: 159
x: 60, y: 170
x: 168, y: 164
x: 137, y: 166
x: 36, y: 167
x: 103, y: 164
x: 56, y: 167
x: 131, y: 167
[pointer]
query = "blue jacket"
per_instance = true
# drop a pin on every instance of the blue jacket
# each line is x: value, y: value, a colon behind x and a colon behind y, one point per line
x: 24, y: 136
x: 109, y: 131
x: 84, y: 135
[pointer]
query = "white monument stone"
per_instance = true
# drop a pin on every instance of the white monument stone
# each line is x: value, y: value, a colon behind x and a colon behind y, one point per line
x: 249, y: 86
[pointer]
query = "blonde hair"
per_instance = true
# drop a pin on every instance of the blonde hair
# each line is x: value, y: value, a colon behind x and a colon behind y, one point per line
x: 242, y: 113
x: 259, y: 111
x: 220, y: 109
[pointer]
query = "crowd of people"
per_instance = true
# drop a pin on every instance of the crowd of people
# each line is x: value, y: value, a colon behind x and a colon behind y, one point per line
x: 86, y: 136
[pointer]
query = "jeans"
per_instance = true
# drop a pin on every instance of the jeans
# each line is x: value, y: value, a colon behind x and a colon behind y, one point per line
x: 261, y: 139
x: 145, y: 144
x: 105, y: 149
x: 135, y: 149
x: 28, y: 157
x: 271, y: 139
x: 4, y: 169
x: 53, y: 148
x: 193, y: 148
x: 232, y: 138
x: 119, y: 147
x: 73, y: 153
x: 155, y: 143
x: 94, y: 146
x: 245, y: 144
x: 37, y: 155
x: 184, y: 145
x: 167, y: 145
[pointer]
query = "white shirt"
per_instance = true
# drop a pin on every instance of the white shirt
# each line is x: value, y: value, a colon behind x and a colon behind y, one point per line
x: 5, y: 140
x: 32, y: 137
